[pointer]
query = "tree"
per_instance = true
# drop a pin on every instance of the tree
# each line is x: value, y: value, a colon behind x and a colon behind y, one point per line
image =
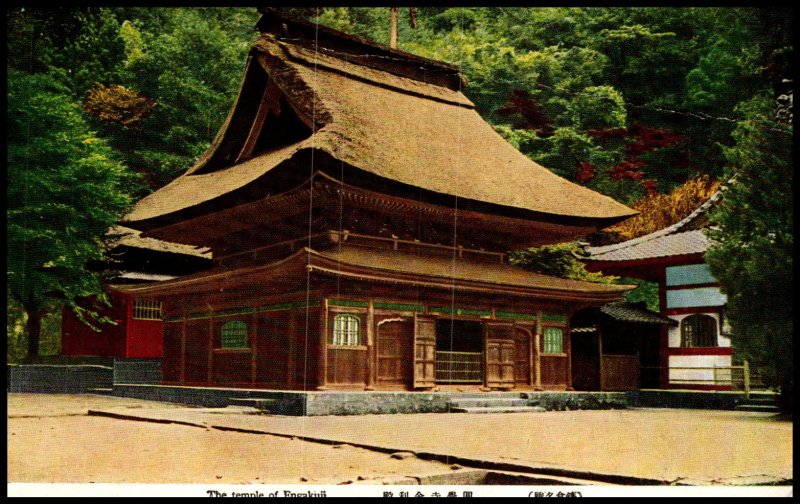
x: 562, y: 260
x: 79, y: 46
x: 659, y: 211
x: 181, y: 71
x: 751, y: 251
x: 65, y: 190
x: 559, y: 260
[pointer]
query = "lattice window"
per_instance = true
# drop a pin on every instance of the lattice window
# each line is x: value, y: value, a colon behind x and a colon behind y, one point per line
x: 346, y: 330
x: 699, y: 331
x: 145, y: 309
x: 234, y: 335
x: 553, y: 340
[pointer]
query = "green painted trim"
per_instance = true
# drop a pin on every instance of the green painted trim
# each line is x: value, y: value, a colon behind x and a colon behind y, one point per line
x: 459, y: 311
x: 312, y: 303
x: 247, y: 311
x: 236, y: 311
x: 399, y: 306
x: 512, y: 315
x: 554, y: 318
x: 345, y: 302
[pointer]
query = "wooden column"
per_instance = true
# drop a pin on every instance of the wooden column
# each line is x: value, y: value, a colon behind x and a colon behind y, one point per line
x: 210, y: 366
x: 291, y: 364
x: 568, y: 338
x: 370, y: 347
x: 532, y: 360
x: 537, y: 336
x: 254, y: 350
x: 322, y: 365
x: 183, y: 348
x: 600, y: 358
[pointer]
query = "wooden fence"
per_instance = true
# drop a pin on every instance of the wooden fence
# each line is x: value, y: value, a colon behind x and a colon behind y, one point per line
x: 739, y: 378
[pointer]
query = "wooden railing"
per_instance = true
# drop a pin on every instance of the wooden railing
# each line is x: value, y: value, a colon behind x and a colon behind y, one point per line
x: 740, y: 378
x: 459, y: 367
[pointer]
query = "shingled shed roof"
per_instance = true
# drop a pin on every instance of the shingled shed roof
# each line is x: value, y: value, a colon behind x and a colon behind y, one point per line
x: 386, y: 113
x: 682, y: 238
x: 634, y: 312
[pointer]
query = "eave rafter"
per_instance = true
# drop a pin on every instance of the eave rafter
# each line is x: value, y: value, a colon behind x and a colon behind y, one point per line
x: 328, y: 192
x: 307, y: 260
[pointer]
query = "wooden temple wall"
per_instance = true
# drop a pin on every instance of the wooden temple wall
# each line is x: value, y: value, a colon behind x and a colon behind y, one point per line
x: 279, y: 347
x: 290, y: 344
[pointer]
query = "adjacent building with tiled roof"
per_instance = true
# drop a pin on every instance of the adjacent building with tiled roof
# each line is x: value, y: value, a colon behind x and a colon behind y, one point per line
x: 696, y: 352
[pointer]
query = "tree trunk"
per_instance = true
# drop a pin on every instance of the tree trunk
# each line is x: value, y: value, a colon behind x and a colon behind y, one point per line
x: 33, y: 328
x: 393, y: 29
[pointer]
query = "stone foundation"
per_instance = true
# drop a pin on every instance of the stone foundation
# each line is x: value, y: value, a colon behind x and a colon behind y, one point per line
x: 58, y: 379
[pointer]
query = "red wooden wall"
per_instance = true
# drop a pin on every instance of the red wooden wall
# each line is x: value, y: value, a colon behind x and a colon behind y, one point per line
x: 128, y: 338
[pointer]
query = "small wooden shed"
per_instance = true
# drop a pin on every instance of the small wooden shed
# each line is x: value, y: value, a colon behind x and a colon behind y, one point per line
x: 616, y: 347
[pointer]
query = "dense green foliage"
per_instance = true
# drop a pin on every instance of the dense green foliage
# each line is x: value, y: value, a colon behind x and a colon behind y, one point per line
x: 627, y: 101
x: 559, y: 260
x: 65, y: 190
x: 752, y: 249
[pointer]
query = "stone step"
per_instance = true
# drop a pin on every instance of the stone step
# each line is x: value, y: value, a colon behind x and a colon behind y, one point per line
x: 763, y: 408
x: 487, y: 402
x: 254, y: 402
x: 760, y: 400
x: 101, y: 391
x: 499, y: 409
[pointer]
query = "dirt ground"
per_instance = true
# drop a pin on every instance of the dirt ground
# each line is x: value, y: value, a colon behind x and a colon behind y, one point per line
x: 51, y: 440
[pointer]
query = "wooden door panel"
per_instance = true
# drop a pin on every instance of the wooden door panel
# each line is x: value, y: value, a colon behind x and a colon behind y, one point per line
x: 522, y: 357
x: 500, y: 353
x: 507, y: 352
x: 424, y: 351
x: 500, y: 363
x: 394, y: 352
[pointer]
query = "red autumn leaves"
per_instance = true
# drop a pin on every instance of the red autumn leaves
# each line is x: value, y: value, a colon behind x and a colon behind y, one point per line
x: 642, y: 140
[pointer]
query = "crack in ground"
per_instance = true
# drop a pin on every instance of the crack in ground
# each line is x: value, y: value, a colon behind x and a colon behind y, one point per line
x: 467, y: 463
x: 48, y: 416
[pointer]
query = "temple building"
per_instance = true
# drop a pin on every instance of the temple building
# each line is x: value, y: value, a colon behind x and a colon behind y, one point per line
x: 359, y: 212
x: 695, y: 350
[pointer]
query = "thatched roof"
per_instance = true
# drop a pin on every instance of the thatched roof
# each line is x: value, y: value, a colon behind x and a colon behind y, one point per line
x: 383, y: 119
x: 127, y: 237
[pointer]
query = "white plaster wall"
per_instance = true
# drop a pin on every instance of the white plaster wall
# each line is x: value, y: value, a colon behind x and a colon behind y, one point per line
x: 675, y: 332
x: 703, y: 376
